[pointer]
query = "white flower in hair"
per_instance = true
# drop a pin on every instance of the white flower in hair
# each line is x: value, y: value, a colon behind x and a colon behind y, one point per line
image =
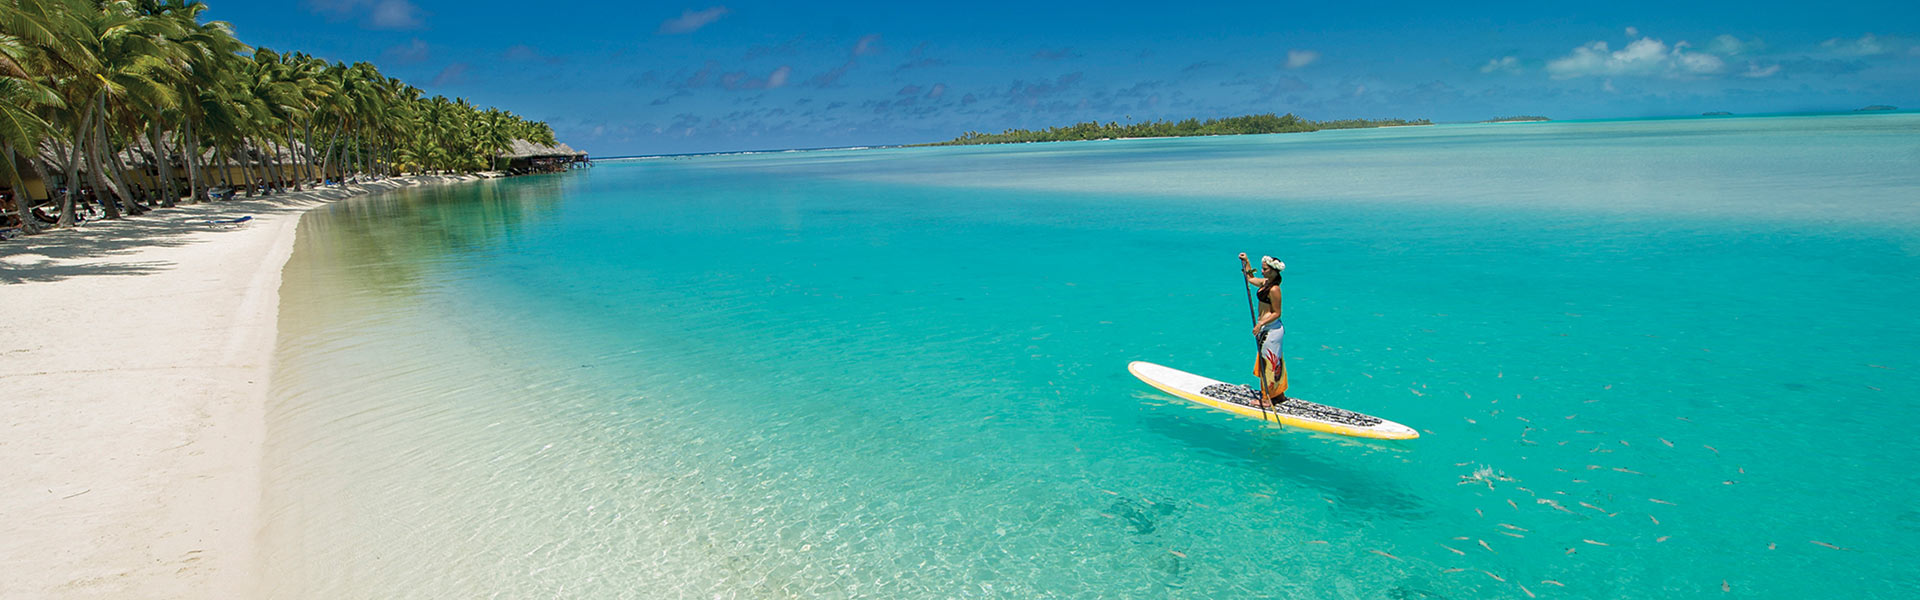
x: 1273, y: 263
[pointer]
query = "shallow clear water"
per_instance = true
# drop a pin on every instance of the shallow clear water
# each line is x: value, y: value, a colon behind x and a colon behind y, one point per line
x: 901, y: 373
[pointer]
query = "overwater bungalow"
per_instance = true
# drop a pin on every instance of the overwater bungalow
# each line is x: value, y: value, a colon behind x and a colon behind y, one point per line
x: 523, y: 157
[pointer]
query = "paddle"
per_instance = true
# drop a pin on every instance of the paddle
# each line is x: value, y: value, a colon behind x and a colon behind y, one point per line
x: 1254, y: 313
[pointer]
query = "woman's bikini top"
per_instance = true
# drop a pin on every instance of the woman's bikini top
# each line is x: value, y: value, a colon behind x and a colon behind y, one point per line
x: 1263, y: 293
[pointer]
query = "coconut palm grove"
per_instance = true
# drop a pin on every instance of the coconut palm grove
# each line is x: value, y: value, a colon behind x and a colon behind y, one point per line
x: 133, y: 104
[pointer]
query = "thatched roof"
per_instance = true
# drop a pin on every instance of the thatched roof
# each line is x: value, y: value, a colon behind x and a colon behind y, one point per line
x: 526, y: 149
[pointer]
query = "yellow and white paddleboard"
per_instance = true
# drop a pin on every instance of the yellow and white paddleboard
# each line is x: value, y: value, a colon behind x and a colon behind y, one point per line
x: 1294, y: 412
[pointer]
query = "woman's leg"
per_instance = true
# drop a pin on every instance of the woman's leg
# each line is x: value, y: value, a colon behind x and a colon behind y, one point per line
x: 1273, y: 376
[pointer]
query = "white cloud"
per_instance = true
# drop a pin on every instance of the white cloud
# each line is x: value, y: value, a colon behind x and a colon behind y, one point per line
x: 1732, y: 46
x: 394, y: 14
x: 1596, y: 58
x: 1697, y: 63
x: 1505, y: 63
x: 413, y: 52
x: 1755, y: 71
x: 691, y: 20
x: 868, y: 44
x: 376, y: 14
x: 1644, y: 57
x: 1633, y: 31
x: 1867, y: 45
x: 454, y: 74
x: 939, y: 89
x: 779, y: 76
x: 1301, y: 58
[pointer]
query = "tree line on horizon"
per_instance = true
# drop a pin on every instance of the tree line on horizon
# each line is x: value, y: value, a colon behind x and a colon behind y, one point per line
x: 83, y: 82
x: 1242, y: 125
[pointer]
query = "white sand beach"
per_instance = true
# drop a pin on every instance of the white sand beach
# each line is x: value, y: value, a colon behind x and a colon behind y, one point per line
x: 133, y: 376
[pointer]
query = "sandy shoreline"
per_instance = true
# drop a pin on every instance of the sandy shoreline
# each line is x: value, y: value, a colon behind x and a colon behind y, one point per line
x: 133, y: 375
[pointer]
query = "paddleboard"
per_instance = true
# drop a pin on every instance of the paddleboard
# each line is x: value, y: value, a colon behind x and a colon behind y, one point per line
x: 1239, y: 399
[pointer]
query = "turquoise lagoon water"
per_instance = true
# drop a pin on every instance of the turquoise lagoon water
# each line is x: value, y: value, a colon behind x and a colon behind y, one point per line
x: 902, y: 373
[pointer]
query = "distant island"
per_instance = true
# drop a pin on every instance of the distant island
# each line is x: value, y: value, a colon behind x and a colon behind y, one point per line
x: 1092, y: 130
x: 1875, y: 107
x: 1717, y: 113
x: 1517, y: 119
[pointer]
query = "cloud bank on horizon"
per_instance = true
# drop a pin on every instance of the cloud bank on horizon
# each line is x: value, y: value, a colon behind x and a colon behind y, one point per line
x: 641, y: 78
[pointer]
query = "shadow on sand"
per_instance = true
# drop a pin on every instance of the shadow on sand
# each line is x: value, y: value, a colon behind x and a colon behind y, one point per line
x: 90, y: 249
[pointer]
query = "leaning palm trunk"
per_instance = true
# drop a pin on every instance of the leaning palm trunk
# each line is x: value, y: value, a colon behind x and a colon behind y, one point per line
x: 256, y: 172
x: 21, y: 201
x: 101, y: 192
x: 246, y: 166
x: 198, y: 180
x: 270, y: 162
x: 163, y: 167
x: 103, y: 171
x: 117, y: 174
x: 223, y: 164
x: 294, y: 166
x: 306, y: 169
x: 278, y: 167
x: 107, y: 173
x: 326, y: 158
x: 72, y: 187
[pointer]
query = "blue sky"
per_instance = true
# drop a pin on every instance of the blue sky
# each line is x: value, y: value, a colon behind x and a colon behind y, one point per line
x: 623, y: 78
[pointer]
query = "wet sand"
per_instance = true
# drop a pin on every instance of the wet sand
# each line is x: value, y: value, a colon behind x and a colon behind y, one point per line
x: 134, y: 367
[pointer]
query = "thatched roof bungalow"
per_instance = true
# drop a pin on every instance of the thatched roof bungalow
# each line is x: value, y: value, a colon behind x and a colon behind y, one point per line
x: 523, y: 156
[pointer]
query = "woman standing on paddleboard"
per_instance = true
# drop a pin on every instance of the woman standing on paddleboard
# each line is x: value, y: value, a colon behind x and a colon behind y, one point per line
x: 1268, y: 366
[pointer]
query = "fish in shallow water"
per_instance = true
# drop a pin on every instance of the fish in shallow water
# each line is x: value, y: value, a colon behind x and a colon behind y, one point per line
x: 1495, y: 577
x: 1820, y: 543
x: 1384, y: 554
x: 1552, y: 582
x: 1596, y: 543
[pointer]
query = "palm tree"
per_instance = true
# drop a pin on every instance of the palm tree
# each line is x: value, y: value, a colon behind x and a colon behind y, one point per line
x: 86, y: 82
x: 23, y: 97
